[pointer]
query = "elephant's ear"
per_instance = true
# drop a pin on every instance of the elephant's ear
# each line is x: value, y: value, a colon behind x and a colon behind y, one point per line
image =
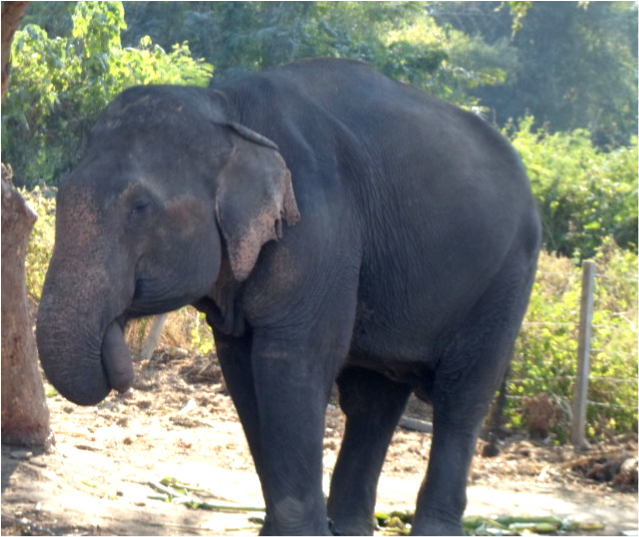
x: 254, y: 196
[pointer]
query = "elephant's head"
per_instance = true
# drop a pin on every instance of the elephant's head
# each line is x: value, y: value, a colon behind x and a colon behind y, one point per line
x: 167, y: 186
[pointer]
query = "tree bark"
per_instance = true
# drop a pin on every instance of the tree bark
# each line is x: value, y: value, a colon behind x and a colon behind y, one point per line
x: 12, y: 13
x: 25, y: 415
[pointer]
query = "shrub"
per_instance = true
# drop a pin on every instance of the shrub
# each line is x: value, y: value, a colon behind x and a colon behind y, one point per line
x: 40, y: 248
x: 584, y: 194
x: 546, y: 353
x: 60, y: 85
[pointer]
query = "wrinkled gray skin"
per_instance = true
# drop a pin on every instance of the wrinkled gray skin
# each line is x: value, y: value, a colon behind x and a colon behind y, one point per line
x: 334, y: 225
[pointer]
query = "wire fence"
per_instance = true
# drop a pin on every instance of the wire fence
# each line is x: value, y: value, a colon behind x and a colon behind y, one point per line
x: 583, y: 360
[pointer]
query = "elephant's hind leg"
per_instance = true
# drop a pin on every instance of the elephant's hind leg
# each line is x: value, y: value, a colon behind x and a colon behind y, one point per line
x: 465, y: 382
x: 373, y: 405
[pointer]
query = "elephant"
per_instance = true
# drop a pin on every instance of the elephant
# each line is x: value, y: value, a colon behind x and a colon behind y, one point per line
x: 335, y: 226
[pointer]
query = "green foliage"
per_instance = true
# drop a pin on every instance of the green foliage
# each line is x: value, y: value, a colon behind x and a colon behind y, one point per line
x: 614, y: 344
x: 576, y: 62
x: 584, y: 193
x: 62, y: 81
x: 201, y: 338
x: 519, y: 9
x: 61, y: 84
x: 401, y: 39
x: 546, y: 353
x: 570, y: 65
x: 55, y: 18
x: 42, y: 238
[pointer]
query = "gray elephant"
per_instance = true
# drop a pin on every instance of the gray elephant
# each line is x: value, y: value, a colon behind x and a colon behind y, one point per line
x: 334, y: 225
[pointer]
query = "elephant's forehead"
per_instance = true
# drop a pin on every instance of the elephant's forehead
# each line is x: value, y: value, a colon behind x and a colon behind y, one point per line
x: 138, y: 155
x: 106, y: 172
x: 83, y: 194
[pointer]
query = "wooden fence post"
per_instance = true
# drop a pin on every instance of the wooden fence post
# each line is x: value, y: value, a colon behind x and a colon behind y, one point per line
x: 578, y: 431
x: 152, y: 340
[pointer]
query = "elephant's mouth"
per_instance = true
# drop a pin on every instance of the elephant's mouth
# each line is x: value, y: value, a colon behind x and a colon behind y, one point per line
x: 116, y: 358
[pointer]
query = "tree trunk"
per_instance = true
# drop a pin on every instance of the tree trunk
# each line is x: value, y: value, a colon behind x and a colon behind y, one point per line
x: 25, y: 415
x: 12, y: 13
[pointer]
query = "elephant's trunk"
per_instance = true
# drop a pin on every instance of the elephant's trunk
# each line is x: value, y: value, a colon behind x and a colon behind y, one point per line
x: 80, y: 342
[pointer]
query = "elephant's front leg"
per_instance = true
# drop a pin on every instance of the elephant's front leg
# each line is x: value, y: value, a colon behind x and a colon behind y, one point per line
x: 234, y: 355
x: 291, y: 386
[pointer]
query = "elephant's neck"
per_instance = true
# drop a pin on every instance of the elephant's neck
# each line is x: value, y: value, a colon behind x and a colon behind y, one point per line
x: 221, y: 306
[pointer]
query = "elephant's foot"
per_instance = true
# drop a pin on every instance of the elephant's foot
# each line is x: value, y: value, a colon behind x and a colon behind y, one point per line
x: 351, y: 530
x: 351, y: 525
x: 266, y: 528
x: 334, y: 529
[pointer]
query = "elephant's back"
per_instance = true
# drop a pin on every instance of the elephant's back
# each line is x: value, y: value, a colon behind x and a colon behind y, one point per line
x: 436, y: 194
x: 331, y: 109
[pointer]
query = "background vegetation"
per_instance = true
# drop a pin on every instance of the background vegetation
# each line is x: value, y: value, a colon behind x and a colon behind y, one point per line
x: 560, y: 79
x: 545, y: 357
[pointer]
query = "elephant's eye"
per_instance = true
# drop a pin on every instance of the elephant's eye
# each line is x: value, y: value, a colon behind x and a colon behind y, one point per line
x: 141, y: 207
x: 139, y: 213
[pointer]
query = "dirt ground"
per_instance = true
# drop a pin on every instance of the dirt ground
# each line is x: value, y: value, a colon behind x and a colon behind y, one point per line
x: 179, y: 421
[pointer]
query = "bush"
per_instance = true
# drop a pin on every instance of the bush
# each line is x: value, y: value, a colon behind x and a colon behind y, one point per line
x: 40, y: 248
x: 546, y: 353
x: 60, y: 86
x: 584, y: 193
